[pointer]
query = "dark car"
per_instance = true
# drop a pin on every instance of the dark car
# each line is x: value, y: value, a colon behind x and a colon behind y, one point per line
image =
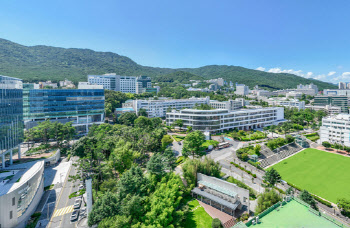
x: 75, y: 215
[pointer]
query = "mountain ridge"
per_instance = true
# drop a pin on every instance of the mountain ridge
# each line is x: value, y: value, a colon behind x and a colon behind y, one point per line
x: 42, y: 62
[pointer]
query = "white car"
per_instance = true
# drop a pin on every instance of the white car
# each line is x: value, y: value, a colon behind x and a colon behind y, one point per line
x: 77, y: 204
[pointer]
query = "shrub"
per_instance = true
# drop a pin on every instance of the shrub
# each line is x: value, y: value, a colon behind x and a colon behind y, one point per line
x: 240, y: 184
x: 180, y: 160
x: 216, y: 223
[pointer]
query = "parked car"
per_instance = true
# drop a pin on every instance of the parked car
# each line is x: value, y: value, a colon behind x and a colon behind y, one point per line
x: 75, y: 215
x: 81, y: 187
x: 83, y: 211
x: 179, y: 143
x: 77, y: 204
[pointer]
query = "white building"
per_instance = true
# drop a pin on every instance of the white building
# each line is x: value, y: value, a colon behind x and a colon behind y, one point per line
x: 20, y: 192
x: 242, y: 89
x: 86, y: 85
x: 310, y: 89
x: 294, y: 94
x: 230, y: 104
x: 125, y: 84
x: 221, y: 82
x: 338, y: 92
x: 342, y: 85
x: 330, y: 109
x: 290, y: 103
x: 218, y: 120
x: 108, y: 81
x: 158, y: 108
x: 336, y: 129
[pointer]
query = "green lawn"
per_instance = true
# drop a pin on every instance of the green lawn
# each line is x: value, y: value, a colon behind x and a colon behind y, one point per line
x: 293, y: 215
x: 197, y: 218
x: 207, y: 143
x: 178, y: 138
x: 324, y: 174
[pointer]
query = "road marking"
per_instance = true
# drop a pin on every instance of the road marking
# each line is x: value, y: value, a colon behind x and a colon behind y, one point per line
x: 63, y: 211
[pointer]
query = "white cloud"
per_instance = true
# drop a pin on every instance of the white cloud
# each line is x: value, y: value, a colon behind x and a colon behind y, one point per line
x: 260, y: 68
x: 331, y: 73
x: 290, y: 71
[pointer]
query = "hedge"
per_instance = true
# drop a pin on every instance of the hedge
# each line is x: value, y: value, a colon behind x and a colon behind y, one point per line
x: 328, y: 204
x: 241, y: 168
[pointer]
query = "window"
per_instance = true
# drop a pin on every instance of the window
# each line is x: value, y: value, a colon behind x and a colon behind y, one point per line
x: 13, y: 201
x: 10, y: 214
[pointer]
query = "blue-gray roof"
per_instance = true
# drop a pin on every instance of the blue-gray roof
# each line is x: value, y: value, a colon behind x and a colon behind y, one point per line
x: 216, y: 199
x: 218, y: 188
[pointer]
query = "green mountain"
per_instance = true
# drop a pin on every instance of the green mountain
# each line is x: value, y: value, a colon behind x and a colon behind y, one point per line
x: 39, y: 63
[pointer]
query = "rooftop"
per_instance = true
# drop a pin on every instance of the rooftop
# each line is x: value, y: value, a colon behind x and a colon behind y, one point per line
x: 218, y: 188
x: 17, y: 175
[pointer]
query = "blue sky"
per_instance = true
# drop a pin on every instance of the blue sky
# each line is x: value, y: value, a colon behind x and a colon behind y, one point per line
x: 309, y: 38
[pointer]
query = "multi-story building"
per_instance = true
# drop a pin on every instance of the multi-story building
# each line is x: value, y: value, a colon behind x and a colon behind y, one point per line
x: 295, y: 95
x: 310, y: 89
x: 48, y: 84
x: 20, y: 193
x: 336, y: 129
x: 82, y: 107
x: 158, y: 108
x: 242, y: 89
x: 11, y: 116
x: 218, y: 120
x: 125, y: 84
x: 342, y: 85
x: 290, y: 103
x: 331, y: 110
x: 338, y: 101
x: 230, y: 104
x: 108, y: 81
x: 221, y: 82
x: 337, y: 92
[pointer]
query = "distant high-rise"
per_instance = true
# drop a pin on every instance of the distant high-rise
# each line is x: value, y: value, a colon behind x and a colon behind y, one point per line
x: 221, y: 82
x: 342, y: 85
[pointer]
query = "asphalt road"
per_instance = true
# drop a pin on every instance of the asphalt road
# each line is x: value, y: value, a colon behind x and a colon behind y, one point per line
x: 61, y: 216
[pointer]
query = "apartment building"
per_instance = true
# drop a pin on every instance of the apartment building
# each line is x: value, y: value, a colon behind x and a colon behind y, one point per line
x: 331, y: 110
x: 336, y: 129
x: 218, y: 120
x: 158, y: 108
x: 11, y: 116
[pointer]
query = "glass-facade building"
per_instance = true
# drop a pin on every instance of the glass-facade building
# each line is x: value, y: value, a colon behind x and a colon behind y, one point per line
x: 82, y: 107
x: 338, y: 101
x: 11, y: 113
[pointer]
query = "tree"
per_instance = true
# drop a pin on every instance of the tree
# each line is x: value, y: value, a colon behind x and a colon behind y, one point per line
x: 344, y: 205
x: 166, y: 140
x: 266, y: 200
x: 122, y: 157
x: 104, y: 207
x: 158, y: 164
x: 289, y: 138
x: 127, y: 118
x: 143, y: 123
x: 142, y: 112
x: 326, y: 144
x: 307, y: 198
x: 257, y: 148
x: 179, y: 123
x: 216, y: 223
x: 189, y: 129
x: 193, y: 144
x: 272, y: 177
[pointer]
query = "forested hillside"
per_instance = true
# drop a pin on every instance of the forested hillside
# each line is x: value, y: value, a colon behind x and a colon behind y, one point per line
x: 37, y: 63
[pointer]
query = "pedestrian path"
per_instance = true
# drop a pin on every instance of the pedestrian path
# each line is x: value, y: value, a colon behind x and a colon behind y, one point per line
x: 63, y: 211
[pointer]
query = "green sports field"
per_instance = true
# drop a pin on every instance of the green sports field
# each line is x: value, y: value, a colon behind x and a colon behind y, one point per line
x: 293, y: 215
x: 324, y: 174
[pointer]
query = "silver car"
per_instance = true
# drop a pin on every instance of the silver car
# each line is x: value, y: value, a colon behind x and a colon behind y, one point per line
x: 75, y: 215
x: 77, y: 204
